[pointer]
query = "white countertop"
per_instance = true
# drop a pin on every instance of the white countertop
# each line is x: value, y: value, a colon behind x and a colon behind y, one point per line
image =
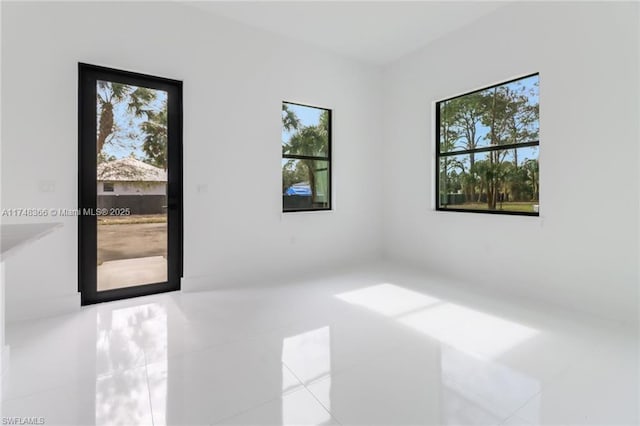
x: 12, y: 237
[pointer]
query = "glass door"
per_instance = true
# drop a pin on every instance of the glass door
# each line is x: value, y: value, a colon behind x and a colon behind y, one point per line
x: 130, y: 213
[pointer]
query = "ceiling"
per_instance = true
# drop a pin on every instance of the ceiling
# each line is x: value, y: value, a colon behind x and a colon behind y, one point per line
x: 374, y: 32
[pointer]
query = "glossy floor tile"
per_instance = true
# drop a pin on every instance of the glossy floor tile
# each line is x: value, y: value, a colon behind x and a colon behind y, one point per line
x: 296, y: 408
x: 377, y: 345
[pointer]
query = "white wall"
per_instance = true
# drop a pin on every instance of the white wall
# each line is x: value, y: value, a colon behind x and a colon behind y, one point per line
x: 2, y: 292
x: 4, y: 350
x: 234, y: 81
x: 582, y: 251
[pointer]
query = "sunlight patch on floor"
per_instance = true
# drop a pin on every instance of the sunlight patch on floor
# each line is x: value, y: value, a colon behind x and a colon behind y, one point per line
x: 463, y: 328
x: 388, y: 299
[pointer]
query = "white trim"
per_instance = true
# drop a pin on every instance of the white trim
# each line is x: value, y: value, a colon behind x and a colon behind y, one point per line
x: 30, y: 309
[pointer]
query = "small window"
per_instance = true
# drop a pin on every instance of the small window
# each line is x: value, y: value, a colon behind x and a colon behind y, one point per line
x: 107, y: 186
x: 487, y: 150
x: 306, y: 158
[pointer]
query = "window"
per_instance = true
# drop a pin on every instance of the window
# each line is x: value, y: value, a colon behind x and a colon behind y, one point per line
x: 487, y: 150
x: 107, y: 186
x: 306, y: 158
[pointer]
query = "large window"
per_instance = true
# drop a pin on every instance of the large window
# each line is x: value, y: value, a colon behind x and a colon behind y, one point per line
x: 487, y: 150
x: 306, y: 158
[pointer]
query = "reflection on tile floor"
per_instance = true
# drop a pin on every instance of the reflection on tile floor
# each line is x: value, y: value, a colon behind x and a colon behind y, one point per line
x: 380, y: 345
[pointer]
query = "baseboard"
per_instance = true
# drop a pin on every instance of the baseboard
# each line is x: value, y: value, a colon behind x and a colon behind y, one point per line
x: 31, y: 309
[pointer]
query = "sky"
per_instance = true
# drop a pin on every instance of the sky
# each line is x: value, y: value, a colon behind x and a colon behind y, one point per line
x: 482, y: 131
x: 129, y: 137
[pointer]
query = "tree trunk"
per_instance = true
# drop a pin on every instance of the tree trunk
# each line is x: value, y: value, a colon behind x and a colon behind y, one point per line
x: 491, y: 198
x: 106, y: 125
x: 312, y: 180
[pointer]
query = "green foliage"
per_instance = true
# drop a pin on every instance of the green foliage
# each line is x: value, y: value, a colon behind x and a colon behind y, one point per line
x: 103, y: 158
x: 309, y: 141
x: 289, y: 119
x: 502, y: 115
x: 109, y: 94
x: 155, y: 139
x: 139, y: 101
x: 463, y: 116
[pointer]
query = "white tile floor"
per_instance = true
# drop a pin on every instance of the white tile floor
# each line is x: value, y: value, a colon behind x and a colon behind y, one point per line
x: 380, y: 345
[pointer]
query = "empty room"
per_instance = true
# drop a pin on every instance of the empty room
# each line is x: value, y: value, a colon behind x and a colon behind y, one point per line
x: 320, y: 213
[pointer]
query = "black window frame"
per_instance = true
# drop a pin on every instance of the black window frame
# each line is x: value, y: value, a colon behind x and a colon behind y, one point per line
x: 328, y: 159
x: 505, y: 147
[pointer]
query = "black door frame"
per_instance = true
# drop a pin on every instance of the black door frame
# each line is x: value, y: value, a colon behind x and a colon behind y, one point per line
x: 87, y: 182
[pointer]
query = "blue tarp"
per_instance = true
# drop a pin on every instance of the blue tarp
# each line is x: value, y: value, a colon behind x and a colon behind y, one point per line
x: 299, y: 189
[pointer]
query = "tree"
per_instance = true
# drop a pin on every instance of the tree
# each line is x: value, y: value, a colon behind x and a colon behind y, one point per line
x: 532, y: 168
x: 290, y: 120
x: 311, y: 141
x: 464, y: 116
x: 293, y: 172
x: 102, y: 158
x: 154, y: 143
x: 469, y: 181
x: 521, y: 118
x: 502, y: 115
x: 467, y: 113
x: 449, y: 135
x: 510, y: 119
x: 110, y: 94
x: 491, y: 120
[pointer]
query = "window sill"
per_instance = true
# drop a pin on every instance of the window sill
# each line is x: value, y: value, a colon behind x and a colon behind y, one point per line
x: 286, y: 212
x: 491, y: 212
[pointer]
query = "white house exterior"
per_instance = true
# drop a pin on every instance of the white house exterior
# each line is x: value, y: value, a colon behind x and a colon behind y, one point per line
x: 132, y: 184
x: 132, y: 188
x: 129, y: 176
